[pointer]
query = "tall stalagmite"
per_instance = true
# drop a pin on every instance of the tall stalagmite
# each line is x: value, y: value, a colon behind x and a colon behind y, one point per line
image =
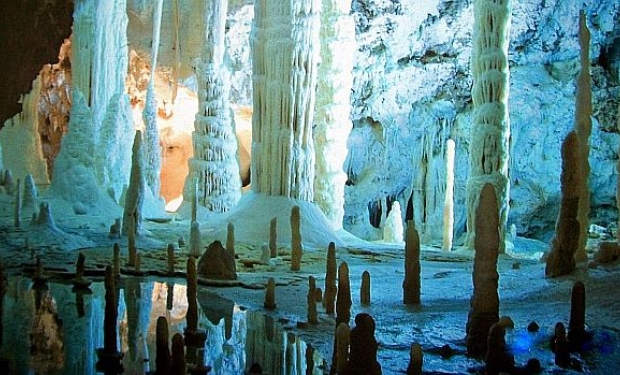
x: 331, y: 267
x: 411, y: 283
x: 134, y: 201
x: 490, y: 133
x: 94, y: 159
x: 561, y: 257
x: 214, y: 165
x: 484, y: 311
x: 583, y: 128
x: 285, y: 52
x: 333, y: 108
x: 152, y: 149
x: 448, y: 206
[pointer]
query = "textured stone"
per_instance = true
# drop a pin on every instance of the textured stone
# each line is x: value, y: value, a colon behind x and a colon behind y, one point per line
x: 217, y: 263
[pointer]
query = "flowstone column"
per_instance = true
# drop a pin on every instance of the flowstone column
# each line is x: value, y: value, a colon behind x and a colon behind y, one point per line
x: 214, y: 166
x: 333, y: 108
x: 285, y: 51
x: 490, y: 133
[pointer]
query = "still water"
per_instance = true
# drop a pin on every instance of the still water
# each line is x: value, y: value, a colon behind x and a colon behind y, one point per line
x: 56, y: 330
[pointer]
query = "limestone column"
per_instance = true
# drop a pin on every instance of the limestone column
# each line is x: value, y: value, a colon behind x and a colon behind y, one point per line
x: 583, y: 128
x: 333, y: 108
x: 285, y: 52
x: 490, y: 132
x: 152, y: 149
x: 214, y: 166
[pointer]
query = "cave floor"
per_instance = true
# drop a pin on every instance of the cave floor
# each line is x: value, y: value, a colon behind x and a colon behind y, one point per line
x: 525, y: 294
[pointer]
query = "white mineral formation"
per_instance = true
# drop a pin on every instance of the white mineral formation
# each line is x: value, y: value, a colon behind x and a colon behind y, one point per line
x: 134, y: 201
x: 490, y: 133
x: 583, y: 128
x: 284, y: 33
x: 393, y: 231
x: 448, y: 208
x: 152, y: 149
x: 30, y: 192
x: 333, y: 108
x: 214, y: 165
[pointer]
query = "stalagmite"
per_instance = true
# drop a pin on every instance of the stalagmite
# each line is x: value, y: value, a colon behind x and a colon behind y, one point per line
x: 296, y: 247
x: 561, y: 257
x: 283, y: 96
x: 217, y: 263
x: 134, y: 201
x: 152, y: 148
x: 132, y: 248
x: 329, y: 298
x: 490, y: 133
x: 311, y: 298
x: 162, y: 350
x: 214, y: 164
x: 416, y: 360
x: 195, y: 240
x: 560, y: 346
x: 583, y: 128
x: 230, y: 239
x: 448, y: 206
x: 332, y: 118
x: 178, y: 366
x: 577, y: 325
x: 411, y: 284
x: 17, y: 212
x: 170, y: 259
x: 8, y: 182
x: 393, y: 228
x: 265, y: 254
x: 484, y: 302
x: 45, y: 218
x: 273, y: 237
x: 365, y: 289
x: 342, y: 348
x: 498, y: 358
x: 363, y: 353
x: 343, y: 301
x: 270, y: 294
x: 30, y: 193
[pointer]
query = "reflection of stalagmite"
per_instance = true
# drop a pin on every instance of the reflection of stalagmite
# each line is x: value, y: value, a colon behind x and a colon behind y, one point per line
x: 192, y: 335
x: 162, y: 350
x: 46, y: 337
x: 484, y: 303
x: 178, y: 366
x: 561, y: 257
x: 109, y: 356
x: 342, y: 348
x: 490, y: 132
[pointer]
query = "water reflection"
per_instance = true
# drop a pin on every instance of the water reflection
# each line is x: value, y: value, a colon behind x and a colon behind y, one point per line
x: 57, y: 330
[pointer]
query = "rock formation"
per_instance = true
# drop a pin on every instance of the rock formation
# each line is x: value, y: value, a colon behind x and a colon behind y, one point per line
x: 333, y: 108
x: 296, y: 246
x: 17, y: 206
x: 343, y: 300
x: 170, y: 259
x: 214, y: 165
x: 273, y: 237
x: 109, y: 356
x: 560, y: 346
x: 484, y: 302
x: 79, y: 281
x: 560, y: 260
x: 583, y: 128
x: 230, y: 239
x: 284, y: 33
x: 312, y: 313
x: 178, y: 366
x: 162, y: 348
x: 365, y: 289
x: 448, y: 205
x: 193, y: 337
x: 270, y: 294
x: 577, y: 324
x: 30, y: 193
x: 363, y: 354
x: 329, y: 299
x: 498, y: 358
x: 393, y: 228
x: 490, y: 134
x: 217, y: 263
x: 342, y: 343
x: 195, y: 240
x: 134, y: 199
x: 411, y: 283
x: 416, y: 360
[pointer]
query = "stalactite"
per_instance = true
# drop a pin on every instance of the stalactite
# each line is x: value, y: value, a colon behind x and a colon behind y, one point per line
x: 282, y: 146
x: 448, y: 208
x: 583, y: 128
x: 214, y: 165
x: 489, y: 151
x: 332, y: 122
x: 484, y: 302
